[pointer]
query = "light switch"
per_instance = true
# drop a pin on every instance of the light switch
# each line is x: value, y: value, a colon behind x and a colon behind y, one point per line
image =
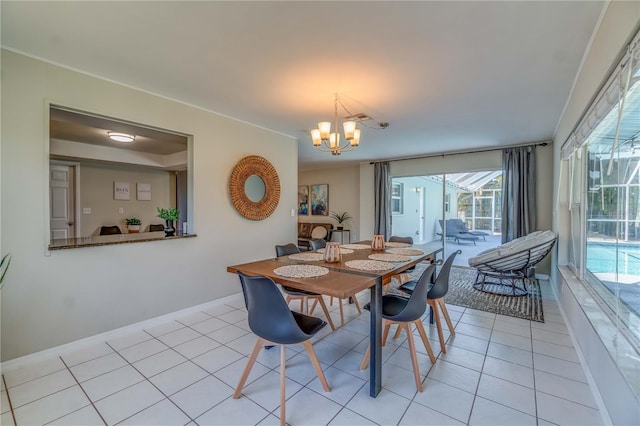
x: 293, y: 212
x: 86, y: 210
x: 121, y: 210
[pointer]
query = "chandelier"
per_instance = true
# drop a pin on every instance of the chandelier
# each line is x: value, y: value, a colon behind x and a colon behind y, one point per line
x: 324, y: 140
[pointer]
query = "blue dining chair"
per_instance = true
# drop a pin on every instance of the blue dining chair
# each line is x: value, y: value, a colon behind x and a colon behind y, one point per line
x: 404, y: 312
x: 302, y: 295
x: 273, y: 322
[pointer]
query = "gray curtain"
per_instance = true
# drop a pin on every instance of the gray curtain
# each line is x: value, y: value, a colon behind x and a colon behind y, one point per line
x: 518, y: 192
x: 382, y: 206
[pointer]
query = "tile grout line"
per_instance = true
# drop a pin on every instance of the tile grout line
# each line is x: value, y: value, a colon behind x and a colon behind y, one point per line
x: 152, y: 384
x: 83, y: 391
x: 475, y: 393
x: 6, y: 388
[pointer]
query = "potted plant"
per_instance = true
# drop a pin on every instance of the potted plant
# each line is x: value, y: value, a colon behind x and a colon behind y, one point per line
x: 133, y: 224
x: 340, y: 218
x: 169, y: 215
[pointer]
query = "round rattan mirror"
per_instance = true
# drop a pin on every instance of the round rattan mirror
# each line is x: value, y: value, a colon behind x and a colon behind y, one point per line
x: 252, y: 169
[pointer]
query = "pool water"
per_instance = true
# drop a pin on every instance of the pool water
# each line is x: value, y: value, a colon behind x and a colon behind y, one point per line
x: 601, y: 258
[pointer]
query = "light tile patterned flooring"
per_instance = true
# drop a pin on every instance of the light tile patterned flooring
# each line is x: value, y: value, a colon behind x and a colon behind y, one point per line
x: 498, y: 370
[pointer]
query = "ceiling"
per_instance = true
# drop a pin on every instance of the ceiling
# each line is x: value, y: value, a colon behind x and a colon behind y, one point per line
x: 447, y: 76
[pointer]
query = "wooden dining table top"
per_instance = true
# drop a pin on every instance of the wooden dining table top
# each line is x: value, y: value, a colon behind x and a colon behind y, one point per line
x: 341, y: 281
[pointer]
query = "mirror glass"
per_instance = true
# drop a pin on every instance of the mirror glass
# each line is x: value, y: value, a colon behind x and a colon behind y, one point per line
x: 254, y: 188
x: 99, y: 182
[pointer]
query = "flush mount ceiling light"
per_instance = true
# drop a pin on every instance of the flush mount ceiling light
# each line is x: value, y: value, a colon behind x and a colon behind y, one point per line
x: 121, y: 137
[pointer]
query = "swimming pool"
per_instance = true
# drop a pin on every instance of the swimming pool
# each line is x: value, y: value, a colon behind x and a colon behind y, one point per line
x: 601, y: 258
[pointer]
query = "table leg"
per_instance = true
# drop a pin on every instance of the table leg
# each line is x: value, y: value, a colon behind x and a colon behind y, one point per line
x: 375, y: 340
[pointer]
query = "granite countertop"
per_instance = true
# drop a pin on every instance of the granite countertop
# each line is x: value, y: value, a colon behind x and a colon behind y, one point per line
x: 105, y: 240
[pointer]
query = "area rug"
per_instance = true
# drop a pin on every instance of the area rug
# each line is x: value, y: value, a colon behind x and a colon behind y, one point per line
x: 462, y: 293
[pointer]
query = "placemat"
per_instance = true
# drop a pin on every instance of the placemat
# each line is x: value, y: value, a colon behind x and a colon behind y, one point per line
x: 389, y: 257
x: 369, y: 265
x: 356, y: 246
x: 312, y: 257
x: 395, y: 244
x: 342, y: 250
x: 301, y: 271
x: 406, y: 251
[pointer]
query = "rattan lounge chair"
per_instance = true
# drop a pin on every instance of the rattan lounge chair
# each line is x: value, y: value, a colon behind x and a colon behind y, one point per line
x: 503, y: 270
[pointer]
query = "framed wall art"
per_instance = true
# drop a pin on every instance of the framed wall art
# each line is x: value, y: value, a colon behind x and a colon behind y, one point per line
x: 303, y: 200
x: 320, y: 199
x: 120, y: 190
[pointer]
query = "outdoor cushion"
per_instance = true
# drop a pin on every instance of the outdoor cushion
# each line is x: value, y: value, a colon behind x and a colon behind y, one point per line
x: 519, y: 245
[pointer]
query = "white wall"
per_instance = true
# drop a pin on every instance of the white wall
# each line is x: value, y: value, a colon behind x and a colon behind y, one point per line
x: 53, y: 298
x: 96, y: 193
x: 344, y: 186
x: 617, y: 27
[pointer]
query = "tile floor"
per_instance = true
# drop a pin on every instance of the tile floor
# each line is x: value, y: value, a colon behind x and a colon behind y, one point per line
x: 498, y: 370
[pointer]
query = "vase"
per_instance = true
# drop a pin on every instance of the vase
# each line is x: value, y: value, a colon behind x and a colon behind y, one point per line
x: 332, y: 252
x: 169, y: 230
x: 377, y: 243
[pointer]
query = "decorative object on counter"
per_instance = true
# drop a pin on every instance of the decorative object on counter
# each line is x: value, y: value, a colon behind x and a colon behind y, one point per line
x: 342, y: 250
x: 170, y: 215
x: 307, y: 256
x: 369, y: 265
x: 4, y: 267
x: 340, y: 218
x: 301, y: 271
x: 332, y: 252
x: 389, y: 257
x: 254, y: 187
x: 377, y: 243
x: 356, y: 246
x: 133, y: 224
x: 406, y: 251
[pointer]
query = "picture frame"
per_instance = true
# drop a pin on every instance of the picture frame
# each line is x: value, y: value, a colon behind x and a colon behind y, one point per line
x: 303, y: 200
x: 143, y: 191
x: 121, y: 191
x: 319, y: 199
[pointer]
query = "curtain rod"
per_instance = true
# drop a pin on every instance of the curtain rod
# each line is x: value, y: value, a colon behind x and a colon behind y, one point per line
x: 461, y: 152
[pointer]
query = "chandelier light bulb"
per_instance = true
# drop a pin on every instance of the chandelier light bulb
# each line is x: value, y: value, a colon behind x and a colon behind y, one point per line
x: 325, y: 129
x: 356, y: 138
x: 315, y: 137
x: 349, y: 128
x: 334, y: 140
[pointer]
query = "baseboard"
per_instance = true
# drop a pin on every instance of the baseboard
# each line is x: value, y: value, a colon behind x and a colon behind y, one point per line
x: 111, y: 334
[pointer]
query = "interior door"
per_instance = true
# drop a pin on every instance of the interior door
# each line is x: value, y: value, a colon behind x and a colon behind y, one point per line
x: 61, y: 200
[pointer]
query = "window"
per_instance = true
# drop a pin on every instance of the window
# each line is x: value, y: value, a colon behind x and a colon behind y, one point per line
x: 604, y: 188
x: 397, y: 198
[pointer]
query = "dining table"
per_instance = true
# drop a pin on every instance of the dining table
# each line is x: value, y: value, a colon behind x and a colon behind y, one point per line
x: 343, y: 281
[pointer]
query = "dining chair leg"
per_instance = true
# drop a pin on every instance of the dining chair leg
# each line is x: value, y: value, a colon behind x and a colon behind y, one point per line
x: 326, y: 312
x: 365, y: 359
x: 340, y: 301
x: 331, y: 301
x: 303, y: 301
x: 247, y: 369
x: 283, y: 380
x: 443, y: 308
x: 288, y: 299
x: 355, y: 302
x: 414, y: 355
x: 397, y: 333
x: 425, y: 340
x: 436, y: 315
x: 313, y: 305
x: 316, y: 365
x: 385, y: 333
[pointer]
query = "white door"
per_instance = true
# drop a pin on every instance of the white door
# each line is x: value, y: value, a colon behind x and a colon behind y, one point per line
x: 61, y: 201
